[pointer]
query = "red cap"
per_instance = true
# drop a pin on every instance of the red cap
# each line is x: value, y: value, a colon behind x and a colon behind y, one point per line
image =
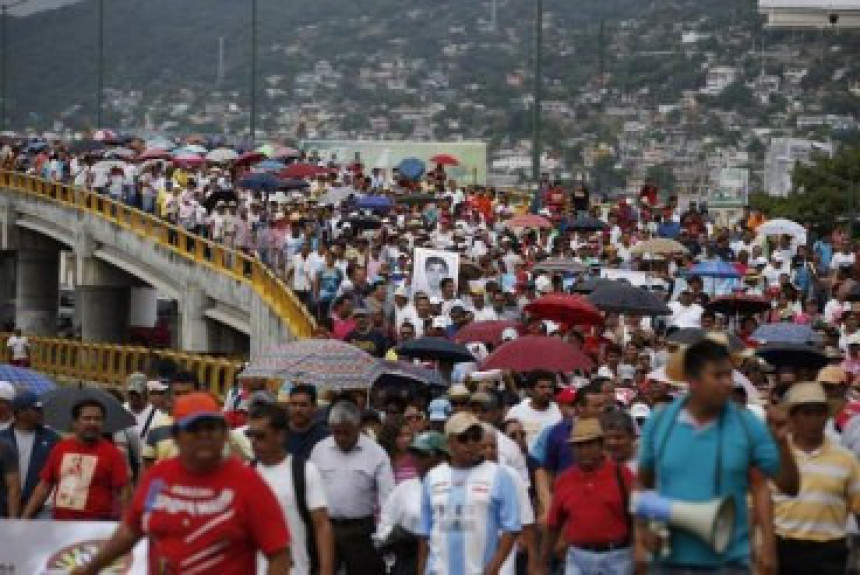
x: 566, y: 395
x: 198, y: 405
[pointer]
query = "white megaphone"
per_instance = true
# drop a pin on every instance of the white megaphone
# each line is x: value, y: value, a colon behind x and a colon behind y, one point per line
x: 713, y: 521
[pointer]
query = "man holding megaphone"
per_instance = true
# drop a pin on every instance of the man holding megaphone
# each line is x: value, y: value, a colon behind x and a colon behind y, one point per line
x: 694, y: 462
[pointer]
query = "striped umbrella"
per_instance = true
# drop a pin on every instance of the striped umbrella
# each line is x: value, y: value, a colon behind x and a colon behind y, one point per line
x: 323, y: 363
x: 22, y: 378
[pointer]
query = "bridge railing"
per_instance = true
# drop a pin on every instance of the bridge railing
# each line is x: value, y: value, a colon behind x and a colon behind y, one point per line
x: 110, y: 364
x: 238, y: 265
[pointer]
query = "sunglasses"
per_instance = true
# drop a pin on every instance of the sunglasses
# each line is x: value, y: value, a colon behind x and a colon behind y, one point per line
x: 470, y: 435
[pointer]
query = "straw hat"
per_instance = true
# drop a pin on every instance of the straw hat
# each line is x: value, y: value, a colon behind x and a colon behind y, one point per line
x: 586, y: 430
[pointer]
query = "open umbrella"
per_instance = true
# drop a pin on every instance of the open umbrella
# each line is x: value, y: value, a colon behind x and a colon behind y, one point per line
x: 259, y: 181
x: 249, y: 158
x: 565, y: 308
x: 293, y: 184
x: 225, y: 196
x: 691, y: 335
x: 587, y: 224
x: 159, y: 143
x: 23, y: 378
x: 190, y: 149
x: 620, y: 297
x: 781, y: 227
x: 590, y: 284
x: 404, y: 374
x: 362, y: 222
x: 381, y: 203
x: 559, y: 265
x: 57, y: 408
x: 792, y: 355
x: 324, y: 363
x: 533, y: 352
x: 104, y: 135
x: 659, y: 247
x: 411, y: 168
x: 189, y: 160
x: 335, y: 196
x: 445, y: 160
x: 782, y: 332
x: 121, y: 153
x: 739, y: 304
x: 486, y: 331
x: 270, y: 166
x: 284, y: 153
x: 220, y: 155
x: 416, y: 199
x: 109, y: 165
x: 85, y: 146
x: 714, y: 269
x: 529, y: 221
x: 154, y: 154
x: 437, y: 348
x: 302, y: 171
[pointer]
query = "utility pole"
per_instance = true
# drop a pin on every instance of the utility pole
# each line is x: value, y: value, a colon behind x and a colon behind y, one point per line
x: 101, y: 64
x: 253, y: 107
x: 536, y: 122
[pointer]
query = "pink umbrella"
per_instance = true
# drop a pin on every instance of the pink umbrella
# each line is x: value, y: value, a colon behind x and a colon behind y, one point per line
x: 154, y: 154
x: 445, y: 160
x: 189, y: 160
x: 565, y: 308
x: 281, y: 153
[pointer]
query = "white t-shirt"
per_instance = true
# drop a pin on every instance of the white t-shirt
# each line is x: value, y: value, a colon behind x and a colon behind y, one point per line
x: 533, y: 420
x: 683, y: 317
x: 527, y: 517
x: 840, y: 260
x: 280, y: 479
x: 24, y: 440
x: 19, y: 346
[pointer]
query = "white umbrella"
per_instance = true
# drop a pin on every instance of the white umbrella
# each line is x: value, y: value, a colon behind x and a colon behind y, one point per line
x: 221, y: 155
x: 782, y: 227
x: 739, y: 380
x: 108, y: 165
x: 121, y: 153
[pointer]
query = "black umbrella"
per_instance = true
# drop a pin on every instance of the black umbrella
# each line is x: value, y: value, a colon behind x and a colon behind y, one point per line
x: 293, y: 184
x: 362, y: 222
x: 85, y: 146
x: 587, y: 224
x: 416, y: 199
x: 435, y: 348
x: 691, y: 335
x: 403, y: 375
x: 59, y: 402
x: 591, y: 284
x: 792, y: 355
x: 620, y: 297
x: 226, y: 196
x: 559, y: 265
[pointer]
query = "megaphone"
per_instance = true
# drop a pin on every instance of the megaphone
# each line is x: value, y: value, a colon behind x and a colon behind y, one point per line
x: 713, y: 521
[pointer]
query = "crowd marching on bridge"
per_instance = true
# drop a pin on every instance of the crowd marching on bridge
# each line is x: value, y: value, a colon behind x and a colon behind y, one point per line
x: 496, y: 384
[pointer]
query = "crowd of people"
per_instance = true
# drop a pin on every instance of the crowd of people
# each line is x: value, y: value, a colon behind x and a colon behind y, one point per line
x: 487, y: 471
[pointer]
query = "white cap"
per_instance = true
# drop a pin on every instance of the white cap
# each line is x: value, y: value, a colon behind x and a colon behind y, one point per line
x: 401, y: 291
x: 543, y: 284
x: 605, y: 372
x: 640, y: 411
x: 551, y: 326
x: 156, y: 385
x: 509, y: 334
x: 7, y: 391
x: 439, y: 322
x: 760, y: 261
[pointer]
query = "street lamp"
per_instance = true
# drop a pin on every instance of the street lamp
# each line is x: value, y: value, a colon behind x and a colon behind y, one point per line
x: 253, y: 107
x: 4, y: 49
x: 536, y: 111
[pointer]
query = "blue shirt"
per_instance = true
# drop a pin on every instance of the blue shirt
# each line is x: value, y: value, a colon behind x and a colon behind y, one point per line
x: 684, y: 460
x: 669, y: 229
x: 552, y: 449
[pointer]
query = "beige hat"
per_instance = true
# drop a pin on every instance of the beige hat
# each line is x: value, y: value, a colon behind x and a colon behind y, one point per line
x: 804, y: 393
x: 459, y: 390
x: 832, y: 375
x: 461, y: 423
x: 586, y: 430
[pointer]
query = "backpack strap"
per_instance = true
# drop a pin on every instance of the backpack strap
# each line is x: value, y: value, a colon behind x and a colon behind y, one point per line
x: 145, y: 430
x: 300, y: 488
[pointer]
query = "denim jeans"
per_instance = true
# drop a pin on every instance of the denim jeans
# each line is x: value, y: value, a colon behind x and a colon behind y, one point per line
x: 582, y: 562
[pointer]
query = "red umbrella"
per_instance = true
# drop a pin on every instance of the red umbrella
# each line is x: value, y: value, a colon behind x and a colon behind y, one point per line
x: 533, y: 352
x: 565, y: 308
x: 302, y: 171
x: 739, y: 304
x: 529, y: 221
x: 445, y: 160
x: 154, y: 154
x: 486, y: 331
x: 189, y: 160
x: 281, y: 153
x: 250, y: 158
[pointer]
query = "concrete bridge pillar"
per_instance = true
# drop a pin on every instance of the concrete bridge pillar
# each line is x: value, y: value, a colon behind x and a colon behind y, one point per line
x: 7, y: 289
x: 193, y: 324
x: 37, y: 293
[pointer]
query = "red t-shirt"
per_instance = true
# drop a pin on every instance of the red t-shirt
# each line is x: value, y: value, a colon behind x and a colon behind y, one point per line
x: 590, y: 505
x: 206, y: 523
x: 86, y: 477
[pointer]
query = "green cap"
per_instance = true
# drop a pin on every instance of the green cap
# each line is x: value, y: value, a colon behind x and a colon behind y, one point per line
x: 429, y: 442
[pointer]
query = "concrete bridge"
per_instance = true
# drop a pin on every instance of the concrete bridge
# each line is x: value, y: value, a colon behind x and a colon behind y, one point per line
x: 119, y: 257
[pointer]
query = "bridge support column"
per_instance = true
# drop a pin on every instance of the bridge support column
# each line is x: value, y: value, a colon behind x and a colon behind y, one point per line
x: 102, y: 312
x: 37, y: 291
x: 7, y: 290
x: 193, y: 328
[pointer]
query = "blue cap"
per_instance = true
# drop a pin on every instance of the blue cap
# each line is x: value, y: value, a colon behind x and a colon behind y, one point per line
x: 439, y: 409
x: 26, y: 399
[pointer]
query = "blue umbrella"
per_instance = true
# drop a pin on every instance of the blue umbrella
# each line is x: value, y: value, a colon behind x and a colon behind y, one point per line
x: 374, y: 203
x: 785, y: 333
x: 23, y: 378
x: 33, y: 147
x: 293, y: 184
x: 715, y: 269
x: 411, y: 168
x: 270, y: 166
x: 260, y: 181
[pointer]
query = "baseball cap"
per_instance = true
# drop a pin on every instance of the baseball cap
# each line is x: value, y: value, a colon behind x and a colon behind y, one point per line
x: 804, y: 393
x: 136, y: 382
x: 460, y: 423
x: 566, y: 395
x: 429, y: 442
x: 156, y: 385
x: 193, y: 407
x: 7, y: 391
x: 640, y: 411
x: 26, y: 399
x: 509, y: 334
x: 439, y: 409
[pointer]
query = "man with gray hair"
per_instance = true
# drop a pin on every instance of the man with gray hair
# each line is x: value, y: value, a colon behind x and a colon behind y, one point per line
x: 358, y: 479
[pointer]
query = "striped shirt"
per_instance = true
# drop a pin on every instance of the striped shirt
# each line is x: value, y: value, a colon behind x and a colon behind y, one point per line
x: 829, y: 491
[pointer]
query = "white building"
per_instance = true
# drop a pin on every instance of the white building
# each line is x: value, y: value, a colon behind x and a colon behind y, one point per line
x: 782, y: 155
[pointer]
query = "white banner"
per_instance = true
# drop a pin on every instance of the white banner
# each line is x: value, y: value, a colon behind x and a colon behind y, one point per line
x: 55, y: 547
x: 430, y: 267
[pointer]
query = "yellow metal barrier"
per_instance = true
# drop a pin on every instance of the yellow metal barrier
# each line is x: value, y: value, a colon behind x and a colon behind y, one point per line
x: 233, y: 263
x: 111, y: 364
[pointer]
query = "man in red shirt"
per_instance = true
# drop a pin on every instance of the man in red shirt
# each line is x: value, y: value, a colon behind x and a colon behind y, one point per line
x: 203, y: 513
x: 590, y: 503
x: 89, y: 473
